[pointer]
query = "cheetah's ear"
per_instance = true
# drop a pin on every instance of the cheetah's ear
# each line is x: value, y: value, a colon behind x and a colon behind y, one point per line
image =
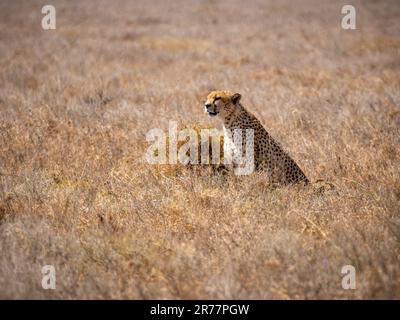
x: 236, y: 98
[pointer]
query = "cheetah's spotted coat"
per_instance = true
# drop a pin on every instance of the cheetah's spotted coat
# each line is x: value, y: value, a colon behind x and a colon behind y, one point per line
x: 268, y: 155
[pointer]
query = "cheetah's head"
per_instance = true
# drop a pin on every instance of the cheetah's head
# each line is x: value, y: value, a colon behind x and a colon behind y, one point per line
x: 221, y: 103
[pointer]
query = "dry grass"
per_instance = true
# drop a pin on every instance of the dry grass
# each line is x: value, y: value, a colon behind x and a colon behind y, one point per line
x: 75, y: 106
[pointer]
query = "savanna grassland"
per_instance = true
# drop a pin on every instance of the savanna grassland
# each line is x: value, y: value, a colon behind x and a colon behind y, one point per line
x: 76, y: 104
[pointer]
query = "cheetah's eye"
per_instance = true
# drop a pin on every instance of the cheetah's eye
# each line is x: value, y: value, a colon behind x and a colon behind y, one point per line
x: 217, y: 98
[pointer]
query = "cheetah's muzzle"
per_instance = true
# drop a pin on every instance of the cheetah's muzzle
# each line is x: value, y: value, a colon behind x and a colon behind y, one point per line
x: 208, y: 111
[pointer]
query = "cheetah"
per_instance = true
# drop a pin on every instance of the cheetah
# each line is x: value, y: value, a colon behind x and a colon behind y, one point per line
x: 269, y: 157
